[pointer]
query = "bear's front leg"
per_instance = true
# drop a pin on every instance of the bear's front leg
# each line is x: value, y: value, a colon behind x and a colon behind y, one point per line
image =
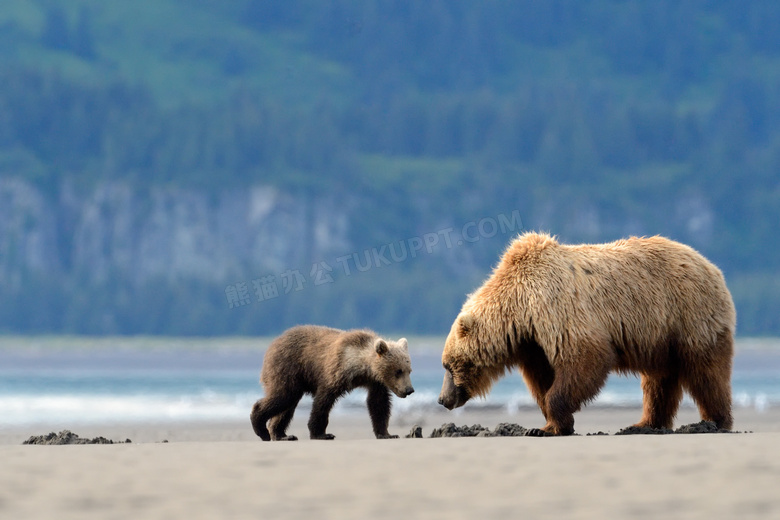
x: 379, y: 404
x: 320, y: 413
x: 575, y: 383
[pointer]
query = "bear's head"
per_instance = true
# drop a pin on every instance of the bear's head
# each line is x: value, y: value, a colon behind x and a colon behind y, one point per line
x: 467, y: 373
x: 391, y: 365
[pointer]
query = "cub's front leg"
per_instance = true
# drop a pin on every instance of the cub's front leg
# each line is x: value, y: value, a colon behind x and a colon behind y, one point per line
x: 320, y: 413
x: 379, y: 405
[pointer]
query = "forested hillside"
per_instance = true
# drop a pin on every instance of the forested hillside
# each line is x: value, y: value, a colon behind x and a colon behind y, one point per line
x: 157, y: 154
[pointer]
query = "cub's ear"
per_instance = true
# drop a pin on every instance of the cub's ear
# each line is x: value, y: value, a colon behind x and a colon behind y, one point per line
x: 403, y: 344
x: 466, y: 323
x: 380, y: 346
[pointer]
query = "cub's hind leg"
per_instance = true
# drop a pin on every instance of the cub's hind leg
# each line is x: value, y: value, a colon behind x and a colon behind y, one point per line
x: 279, y: 423
x: 266, y: 408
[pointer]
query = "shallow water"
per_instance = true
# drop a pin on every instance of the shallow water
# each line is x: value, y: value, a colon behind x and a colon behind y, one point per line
x: 67, y: 381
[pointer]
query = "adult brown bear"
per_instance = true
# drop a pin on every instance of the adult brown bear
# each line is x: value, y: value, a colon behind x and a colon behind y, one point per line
x: 567, y: 315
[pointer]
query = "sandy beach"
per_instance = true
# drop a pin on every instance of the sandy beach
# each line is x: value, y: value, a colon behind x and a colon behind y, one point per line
x: 223, y: 471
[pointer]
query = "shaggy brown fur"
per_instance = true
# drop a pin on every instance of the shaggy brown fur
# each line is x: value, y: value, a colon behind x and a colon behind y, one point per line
x: 328, y: 363
x: 568, y: 315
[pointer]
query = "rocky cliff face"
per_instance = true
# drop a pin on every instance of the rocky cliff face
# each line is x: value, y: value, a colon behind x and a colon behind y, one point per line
x: 115, y: 258
x: 115, y: 230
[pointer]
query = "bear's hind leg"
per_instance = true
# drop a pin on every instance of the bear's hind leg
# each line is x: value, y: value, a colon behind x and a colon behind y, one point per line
x: 710, y: 388
x: 709, y: 381
x: 279, y: 423
x: 267, y: 407
x: 661, y: 398
x: 714, y: 401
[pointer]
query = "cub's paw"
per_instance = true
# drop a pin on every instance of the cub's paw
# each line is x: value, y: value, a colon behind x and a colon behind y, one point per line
x: 287, y: 438
x: 387, y: 436
x: 324, y: 437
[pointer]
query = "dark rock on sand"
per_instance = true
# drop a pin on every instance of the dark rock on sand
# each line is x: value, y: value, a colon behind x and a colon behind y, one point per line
x: 515, y: 430
x: 509, y: 430
x: 450, y: 430
x: 415, y: 433
x: 68, y: 437
x: 477, y: 430
x: 643, y: 430
x: 699, y: 427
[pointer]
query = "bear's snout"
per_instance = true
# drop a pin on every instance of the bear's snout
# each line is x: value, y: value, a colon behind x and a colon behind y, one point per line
x: 404, y: 392
x: 452, y: 396
x: 448, y: 403
x: 448, y: 399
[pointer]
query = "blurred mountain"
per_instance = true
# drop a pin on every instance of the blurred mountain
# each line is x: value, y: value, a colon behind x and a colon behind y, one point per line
x: 160, y: 160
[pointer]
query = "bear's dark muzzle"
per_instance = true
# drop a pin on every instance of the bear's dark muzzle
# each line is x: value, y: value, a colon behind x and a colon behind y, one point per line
x: 450, y: 394
x: 448, y: 404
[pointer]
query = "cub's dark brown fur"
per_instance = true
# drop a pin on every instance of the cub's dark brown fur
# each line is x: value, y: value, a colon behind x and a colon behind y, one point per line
x: 328, y: 363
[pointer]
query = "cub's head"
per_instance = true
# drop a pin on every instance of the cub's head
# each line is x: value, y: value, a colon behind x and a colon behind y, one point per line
x: 466, y: 375
x: 392, y: 365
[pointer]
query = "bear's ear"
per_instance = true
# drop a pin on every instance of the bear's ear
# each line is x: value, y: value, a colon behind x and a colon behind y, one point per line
x: 403, y: 344
x: 380, y: 346
x: 466, y: 324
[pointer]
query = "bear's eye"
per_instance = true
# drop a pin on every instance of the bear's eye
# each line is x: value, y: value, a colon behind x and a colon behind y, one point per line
x: 399, y: 373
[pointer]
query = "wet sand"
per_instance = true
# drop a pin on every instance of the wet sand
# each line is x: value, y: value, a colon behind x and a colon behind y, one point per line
x: 223, y: 471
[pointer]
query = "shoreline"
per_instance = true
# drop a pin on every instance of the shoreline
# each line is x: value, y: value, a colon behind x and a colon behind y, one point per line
x: 356, y: 425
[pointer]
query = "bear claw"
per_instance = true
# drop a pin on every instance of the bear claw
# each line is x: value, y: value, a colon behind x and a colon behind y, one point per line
x: 538, y: 432
x: 324, y: 437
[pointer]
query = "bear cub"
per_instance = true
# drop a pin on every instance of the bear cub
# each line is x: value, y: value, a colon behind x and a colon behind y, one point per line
x: 327, y: 364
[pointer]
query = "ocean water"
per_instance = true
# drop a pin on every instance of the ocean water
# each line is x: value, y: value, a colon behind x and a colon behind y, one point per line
x: 63, y: 382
